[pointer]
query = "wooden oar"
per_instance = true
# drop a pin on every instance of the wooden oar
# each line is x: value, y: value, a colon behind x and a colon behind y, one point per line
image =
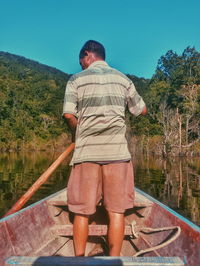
x: 41, y: 180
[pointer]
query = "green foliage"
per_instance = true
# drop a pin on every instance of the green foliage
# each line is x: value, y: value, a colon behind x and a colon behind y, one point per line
x: 174, y: 98
x: 176, y: 71
x: 144, y: 125
x: 31, y: 98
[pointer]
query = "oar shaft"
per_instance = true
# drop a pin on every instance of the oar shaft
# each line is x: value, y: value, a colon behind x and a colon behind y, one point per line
x: 41, y: 180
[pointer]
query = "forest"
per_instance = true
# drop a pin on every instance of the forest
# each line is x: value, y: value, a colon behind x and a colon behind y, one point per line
x: 31, y: 100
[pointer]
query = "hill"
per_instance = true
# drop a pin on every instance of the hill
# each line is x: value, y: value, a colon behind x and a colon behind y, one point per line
x: 31, y: 100
x: 31, y: 96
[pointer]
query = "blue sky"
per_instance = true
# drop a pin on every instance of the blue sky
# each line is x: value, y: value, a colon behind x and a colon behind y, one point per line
x: 135, y: 33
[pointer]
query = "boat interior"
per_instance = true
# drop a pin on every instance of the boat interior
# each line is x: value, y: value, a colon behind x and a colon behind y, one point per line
x: 97, y: 242
x: 46, y: 229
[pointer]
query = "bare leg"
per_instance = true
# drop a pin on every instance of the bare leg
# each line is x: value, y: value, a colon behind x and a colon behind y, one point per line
x: 115, y: 233
x: 80, y: 233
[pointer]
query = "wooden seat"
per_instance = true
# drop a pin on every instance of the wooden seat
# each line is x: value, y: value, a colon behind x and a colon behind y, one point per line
x: 137, y: 203
x: 57, y: 203
x: 94, y: 230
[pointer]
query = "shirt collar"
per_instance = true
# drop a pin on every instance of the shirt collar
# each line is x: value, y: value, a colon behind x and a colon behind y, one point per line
x: 99, y: 62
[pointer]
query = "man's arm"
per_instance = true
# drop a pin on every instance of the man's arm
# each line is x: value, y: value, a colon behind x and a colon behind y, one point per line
x: 72, y: 123
x: 136, y: 105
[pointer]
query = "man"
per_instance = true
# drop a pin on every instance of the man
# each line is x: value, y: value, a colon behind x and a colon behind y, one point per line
x: 94, y: 106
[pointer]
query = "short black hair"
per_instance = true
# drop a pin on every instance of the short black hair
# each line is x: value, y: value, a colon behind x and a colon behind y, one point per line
x: 94, y: 47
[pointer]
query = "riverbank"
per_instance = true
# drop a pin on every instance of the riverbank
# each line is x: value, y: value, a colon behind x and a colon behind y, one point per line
x: 150, y: 146
x: 38, y: 144
x: 155, y: 146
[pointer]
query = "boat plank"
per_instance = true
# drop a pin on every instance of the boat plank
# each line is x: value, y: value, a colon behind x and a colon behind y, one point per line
x: 96, y: 261
x: 57, y: 203
x: 94, y: 230
x: 139, y: 202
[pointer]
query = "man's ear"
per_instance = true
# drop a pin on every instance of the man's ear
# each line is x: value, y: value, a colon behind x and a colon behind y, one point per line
x: 89, y: 58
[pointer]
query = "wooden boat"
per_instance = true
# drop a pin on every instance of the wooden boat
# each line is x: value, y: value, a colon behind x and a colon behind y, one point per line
x: 41, y: 234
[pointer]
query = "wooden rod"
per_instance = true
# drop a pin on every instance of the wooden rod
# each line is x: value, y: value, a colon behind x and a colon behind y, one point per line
x: 41, y: 180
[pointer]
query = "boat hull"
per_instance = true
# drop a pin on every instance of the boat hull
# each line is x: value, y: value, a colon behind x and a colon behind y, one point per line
x: 32, y: 231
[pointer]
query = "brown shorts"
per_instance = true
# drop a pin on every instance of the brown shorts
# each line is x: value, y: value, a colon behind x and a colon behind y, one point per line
x: 91, y: 182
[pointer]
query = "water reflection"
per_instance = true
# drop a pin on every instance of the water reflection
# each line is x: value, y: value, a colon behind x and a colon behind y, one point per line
x: 175, y: 182
x: 18, y: 171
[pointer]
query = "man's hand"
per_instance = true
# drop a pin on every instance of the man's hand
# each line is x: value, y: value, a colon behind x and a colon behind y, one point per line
x: 72, y: 123
x: 144, y: 111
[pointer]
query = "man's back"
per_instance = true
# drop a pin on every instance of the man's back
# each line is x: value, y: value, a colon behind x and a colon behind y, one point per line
x: 101, y: 91
x: 101, y: 97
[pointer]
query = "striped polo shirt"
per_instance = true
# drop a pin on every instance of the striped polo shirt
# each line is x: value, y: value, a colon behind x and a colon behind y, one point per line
x: 98, y: 96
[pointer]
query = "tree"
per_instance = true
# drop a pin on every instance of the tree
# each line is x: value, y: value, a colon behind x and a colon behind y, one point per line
x: 174, y: 98
x: 31, y: 96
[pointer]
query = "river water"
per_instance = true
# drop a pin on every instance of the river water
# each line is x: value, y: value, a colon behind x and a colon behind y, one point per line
x: 175, y: 182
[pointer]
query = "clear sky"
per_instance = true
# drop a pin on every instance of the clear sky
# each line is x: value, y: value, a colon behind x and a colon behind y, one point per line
x: 135, y: 33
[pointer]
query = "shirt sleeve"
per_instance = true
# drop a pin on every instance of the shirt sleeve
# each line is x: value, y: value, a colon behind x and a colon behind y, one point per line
x: 134, y: 101
x: 70, y: 99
